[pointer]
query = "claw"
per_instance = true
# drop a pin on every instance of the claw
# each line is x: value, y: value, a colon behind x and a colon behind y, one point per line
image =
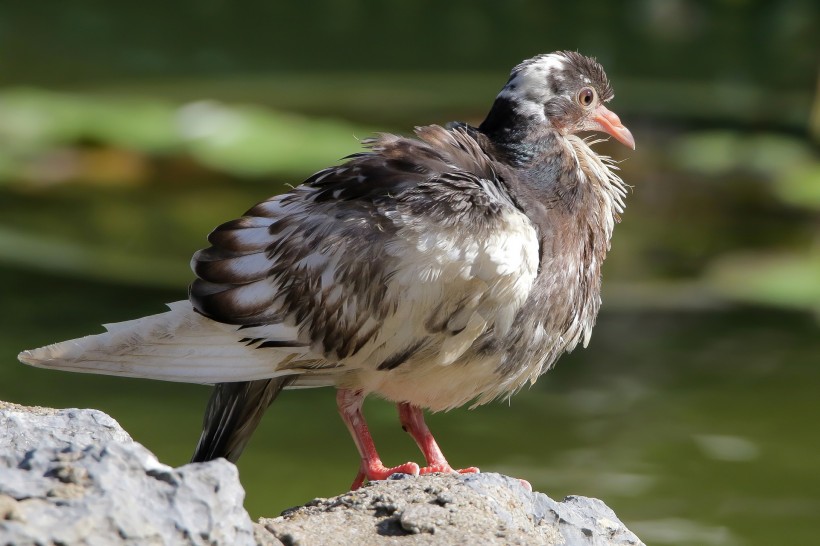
x: 447, y: 469
x: 377, y: 471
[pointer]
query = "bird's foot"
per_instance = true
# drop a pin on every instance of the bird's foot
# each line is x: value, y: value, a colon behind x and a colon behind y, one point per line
x: 377, y: 471
x: 447, y: 469
x: 527, y: 485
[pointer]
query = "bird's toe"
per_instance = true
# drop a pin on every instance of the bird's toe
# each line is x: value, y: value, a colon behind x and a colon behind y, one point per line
x: 447, y: 469
x: 378, y: 471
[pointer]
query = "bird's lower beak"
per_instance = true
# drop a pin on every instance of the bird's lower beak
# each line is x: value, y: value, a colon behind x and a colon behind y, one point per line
x: 610, y: 123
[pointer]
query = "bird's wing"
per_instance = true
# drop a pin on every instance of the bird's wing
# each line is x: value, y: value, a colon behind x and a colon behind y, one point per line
x: 413, y: 246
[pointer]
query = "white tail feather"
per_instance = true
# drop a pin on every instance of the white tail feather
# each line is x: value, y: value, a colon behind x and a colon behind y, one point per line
x: 178, y: 345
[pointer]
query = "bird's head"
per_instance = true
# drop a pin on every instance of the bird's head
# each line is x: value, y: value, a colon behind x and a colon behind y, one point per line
x: 564, y: 90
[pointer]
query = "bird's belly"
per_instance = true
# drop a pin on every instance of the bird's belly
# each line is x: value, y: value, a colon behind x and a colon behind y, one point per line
x: 429, y: 384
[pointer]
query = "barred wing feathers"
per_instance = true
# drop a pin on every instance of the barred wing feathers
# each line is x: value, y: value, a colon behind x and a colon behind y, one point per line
x: 370, y: 261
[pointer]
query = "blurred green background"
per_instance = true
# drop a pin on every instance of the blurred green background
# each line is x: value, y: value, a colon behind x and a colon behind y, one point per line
x: 129, y: 130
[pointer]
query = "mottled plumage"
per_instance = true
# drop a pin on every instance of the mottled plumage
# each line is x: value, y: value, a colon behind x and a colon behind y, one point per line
x: 447, y: 268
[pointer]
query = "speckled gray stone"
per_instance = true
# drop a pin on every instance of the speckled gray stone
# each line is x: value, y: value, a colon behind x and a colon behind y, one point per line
x: 75, y: 477
x: 25, y: 428
x: 450, y: 509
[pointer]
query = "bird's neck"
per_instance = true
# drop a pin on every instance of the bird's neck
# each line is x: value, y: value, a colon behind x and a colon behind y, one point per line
x: 554, y: 170
x: 565, y: 185
x: 511, y: 132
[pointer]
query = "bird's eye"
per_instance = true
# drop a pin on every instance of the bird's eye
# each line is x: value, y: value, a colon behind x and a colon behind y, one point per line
x: 586, y: 96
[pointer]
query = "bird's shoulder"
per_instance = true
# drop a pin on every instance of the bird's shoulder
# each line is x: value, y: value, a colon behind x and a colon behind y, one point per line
x: 439, y: 162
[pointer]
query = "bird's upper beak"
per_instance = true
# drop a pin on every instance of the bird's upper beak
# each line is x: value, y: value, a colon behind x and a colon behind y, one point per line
x: 609, y: 122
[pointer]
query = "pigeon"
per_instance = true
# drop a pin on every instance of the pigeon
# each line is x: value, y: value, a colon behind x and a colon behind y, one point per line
x: 448, y: 268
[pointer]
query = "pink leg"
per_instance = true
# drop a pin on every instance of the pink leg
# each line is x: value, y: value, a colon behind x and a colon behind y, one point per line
x: 412, y: 420
x: 371, y: 468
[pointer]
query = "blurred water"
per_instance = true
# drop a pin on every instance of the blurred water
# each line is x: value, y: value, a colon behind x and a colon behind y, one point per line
x: 696, y: 427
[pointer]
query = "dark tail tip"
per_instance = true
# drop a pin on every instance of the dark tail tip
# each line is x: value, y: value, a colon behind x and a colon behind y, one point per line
x: 233, y: 413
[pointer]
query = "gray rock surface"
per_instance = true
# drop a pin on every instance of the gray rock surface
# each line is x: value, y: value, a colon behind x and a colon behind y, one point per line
x: 450, y: 509
x: 26, y: 428
x: 74, y: 477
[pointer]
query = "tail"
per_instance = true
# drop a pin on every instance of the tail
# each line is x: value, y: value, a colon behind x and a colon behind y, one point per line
x: 178, y: 345
x: 233, y: 413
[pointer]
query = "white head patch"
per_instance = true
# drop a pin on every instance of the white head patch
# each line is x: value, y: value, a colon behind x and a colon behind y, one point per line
x: 528, y: 86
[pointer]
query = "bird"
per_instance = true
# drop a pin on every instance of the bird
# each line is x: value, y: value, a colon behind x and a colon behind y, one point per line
x: 450, y: 267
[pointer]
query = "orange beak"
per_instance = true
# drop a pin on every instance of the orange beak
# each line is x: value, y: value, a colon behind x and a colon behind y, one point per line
x: 610, y: 123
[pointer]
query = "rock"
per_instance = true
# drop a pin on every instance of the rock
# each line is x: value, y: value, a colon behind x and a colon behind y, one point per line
x: 25, y: 428
x: 450, y: 509
x: 75, y: 477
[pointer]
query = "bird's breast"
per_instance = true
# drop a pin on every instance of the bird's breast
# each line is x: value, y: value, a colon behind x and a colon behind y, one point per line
x: 455, y: 286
